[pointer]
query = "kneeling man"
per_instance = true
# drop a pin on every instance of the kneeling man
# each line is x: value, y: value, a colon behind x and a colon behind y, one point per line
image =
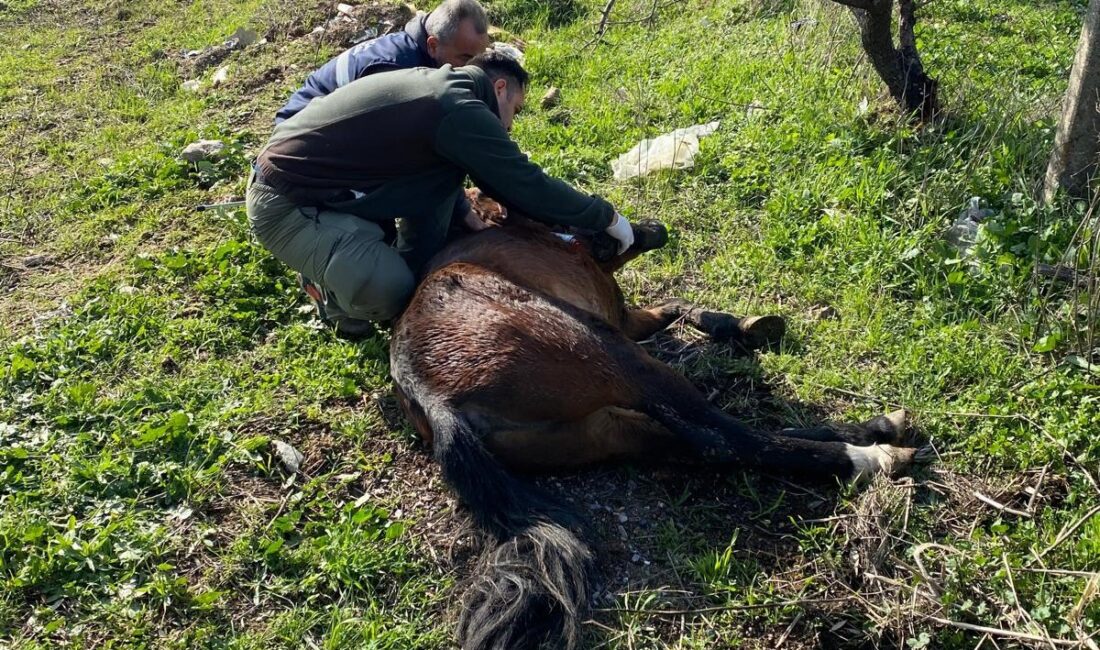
x: 399, y: 145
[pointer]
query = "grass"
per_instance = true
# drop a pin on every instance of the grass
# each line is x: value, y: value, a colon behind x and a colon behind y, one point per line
x: 152, y: 354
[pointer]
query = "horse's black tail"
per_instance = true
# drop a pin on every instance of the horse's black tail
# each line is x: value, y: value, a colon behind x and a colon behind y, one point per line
x: 530, y: 590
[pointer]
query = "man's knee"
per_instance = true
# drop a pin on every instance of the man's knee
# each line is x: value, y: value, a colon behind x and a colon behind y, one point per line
x: 384, y: 294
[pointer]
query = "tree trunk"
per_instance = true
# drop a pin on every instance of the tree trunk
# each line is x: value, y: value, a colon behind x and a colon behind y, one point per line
x: 900, y: 67
x: 1077, y: 142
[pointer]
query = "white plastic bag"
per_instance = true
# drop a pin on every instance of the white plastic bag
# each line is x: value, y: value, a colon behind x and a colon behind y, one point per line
x: 674, y: 150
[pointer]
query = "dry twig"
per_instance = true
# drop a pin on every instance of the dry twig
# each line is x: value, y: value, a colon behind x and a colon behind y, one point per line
x: 1010, y: 634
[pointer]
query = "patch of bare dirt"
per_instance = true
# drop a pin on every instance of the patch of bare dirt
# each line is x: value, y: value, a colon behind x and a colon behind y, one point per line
x: 361, y: 21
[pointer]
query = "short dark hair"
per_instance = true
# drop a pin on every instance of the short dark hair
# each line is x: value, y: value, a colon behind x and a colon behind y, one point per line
x: 499, y: 65
x: 444, y: 20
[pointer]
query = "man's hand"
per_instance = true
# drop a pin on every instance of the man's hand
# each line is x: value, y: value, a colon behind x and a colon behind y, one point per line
x: 484, y: 212
x: 474, y: 222
x: 621, y: 230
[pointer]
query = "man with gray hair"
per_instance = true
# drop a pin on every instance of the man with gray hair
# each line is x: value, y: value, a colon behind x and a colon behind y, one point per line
x: 454, y: 32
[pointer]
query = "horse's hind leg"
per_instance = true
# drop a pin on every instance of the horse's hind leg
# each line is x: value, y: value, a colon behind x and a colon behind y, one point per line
x: 889, y: 429
x: 704, y: 433
x: 663, y: 418
x: 607, y: 434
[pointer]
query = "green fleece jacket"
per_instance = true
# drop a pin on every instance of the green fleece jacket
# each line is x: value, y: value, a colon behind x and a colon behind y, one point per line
x: 406, y: 140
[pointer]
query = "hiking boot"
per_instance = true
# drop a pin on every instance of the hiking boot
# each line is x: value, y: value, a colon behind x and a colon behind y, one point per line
x: 330, y: 313
x: 353, y: 329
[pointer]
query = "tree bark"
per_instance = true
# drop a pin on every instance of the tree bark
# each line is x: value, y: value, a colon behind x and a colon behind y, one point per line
x: 1077, y: 142
x: 899, y: 67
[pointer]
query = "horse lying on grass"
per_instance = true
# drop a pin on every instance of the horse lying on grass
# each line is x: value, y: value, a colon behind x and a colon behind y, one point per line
x: 517, y: 353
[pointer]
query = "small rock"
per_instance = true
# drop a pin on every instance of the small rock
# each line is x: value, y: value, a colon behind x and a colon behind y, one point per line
x: 797, y: 25
x: 244, y: 37
x: 291, y: 457
x: 27, y: 47
x: 32, y: 261
x: 552, y: 97
x: 364, y: 35
x: 191, y: 85
x: 622, y: 518
x: 755, y: 109
x: 824, y: 312
x: 202, y: 150
x: 636, y: 558
x: 318, y: 30
x: 220, y: 76
x: 181, y: 512
x: 510, y: 50
x: 345, y: 9
x: 560, y: 117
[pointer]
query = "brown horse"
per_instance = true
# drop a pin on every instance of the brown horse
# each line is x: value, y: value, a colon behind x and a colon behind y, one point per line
x: 518, y: 353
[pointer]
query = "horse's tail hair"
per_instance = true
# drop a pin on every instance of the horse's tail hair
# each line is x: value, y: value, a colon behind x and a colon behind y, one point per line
x: 530, y: 589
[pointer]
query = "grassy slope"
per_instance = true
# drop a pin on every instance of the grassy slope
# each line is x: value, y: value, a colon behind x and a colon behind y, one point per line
x: 141, y: 501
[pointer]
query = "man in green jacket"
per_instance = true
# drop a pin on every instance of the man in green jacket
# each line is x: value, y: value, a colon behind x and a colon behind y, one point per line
x: 399, y: 145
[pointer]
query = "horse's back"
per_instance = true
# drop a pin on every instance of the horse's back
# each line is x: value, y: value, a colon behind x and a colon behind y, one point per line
x: 531, y: 256
x: 474, y: 337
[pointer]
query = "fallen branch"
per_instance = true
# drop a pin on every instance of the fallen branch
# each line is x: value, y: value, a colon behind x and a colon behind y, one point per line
x: 722, y: 608
x: 652, y: 14
x: 1066, y: 532
x: 1062, y: 572
x: 866, y: 5
x: 1000, y: 506
x: 1065, y: 274
x: 996, y: 631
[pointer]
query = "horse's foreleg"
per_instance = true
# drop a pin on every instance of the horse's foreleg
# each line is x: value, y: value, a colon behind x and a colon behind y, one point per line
x: 753, y: 332
x: 640, y: 323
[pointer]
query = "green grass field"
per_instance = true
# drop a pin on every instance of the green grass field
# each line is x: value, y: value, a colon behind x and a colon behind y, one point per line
x: 151, y: 354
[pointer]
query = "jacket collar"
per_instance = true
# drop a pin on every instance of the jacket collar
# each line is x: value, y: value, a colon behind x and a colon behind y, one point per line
x: 483, y: 87
x: 417, y: 30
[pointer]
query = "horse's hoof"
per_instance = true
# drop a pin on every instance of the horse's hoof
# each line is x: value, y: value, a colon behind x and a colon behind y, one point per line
x: 762, y: 331
x: 879, y: 459
x: 891, y: 429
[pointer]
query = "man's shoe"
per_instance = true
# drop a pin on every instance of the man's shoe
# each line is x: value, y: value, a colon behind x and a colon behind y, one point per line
x: 353, y: 329
x: 346, y: 327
